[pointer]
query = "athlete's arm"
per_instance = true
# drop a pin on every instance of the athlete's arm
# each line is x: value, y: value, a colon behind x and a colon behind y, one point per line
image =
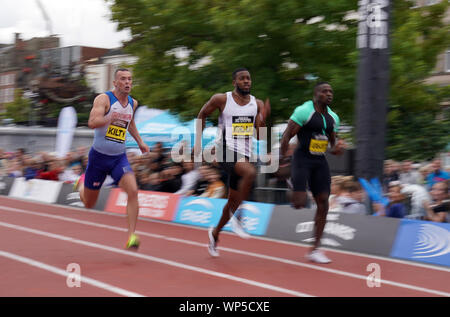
x: 217, y: 101
x: 291, y: 130
x: 135, y: 133
x: 261, y: 116
x: 337, y: 148
x: 99, y: 109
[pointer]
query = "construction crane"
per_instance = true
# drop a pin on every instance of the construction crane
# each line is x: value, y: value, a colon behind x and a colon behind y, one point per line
x: 46, y: 17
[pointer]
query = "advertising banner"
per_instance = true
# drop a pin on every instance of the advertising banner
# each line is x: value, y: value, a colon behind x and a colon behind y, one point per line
x: 206, y: 212
x: 423, y: 241
x: 35, y: 189
x: 156, y: 205
x: 359, y: 233
x: 5, y: 184
x: 67, y: 196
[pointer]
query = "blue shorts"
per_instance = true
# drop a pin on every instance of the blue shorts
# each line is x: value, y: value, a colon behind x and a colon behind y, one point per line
x: 101, y: 165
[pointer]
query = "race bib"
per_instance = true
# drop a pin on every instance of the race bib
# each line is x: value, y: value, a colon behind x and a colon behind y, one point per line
x: 318, y: 145
x: 242, y: 126
x: 117, y: 131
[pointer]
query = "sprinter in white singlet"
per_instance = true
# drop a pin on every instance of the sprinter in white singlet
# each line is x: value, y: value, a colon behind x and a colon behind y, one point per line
x: 241, y: 114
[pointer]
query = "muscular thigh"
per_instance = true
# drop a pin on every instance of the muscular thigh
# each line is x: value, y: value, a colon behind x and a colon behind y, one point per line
x: 320, y: 179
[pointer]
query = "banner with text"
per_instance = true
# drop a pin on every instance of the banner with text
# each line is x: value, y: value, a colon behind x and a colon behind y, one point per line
x: 360, y: 233
x: 156, y: 205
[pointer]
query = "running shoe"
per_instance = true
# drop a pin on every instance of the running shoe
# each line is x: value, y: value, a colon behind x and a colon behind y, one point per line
x: 237, y: 227
x: 318, y: 256
x: 212, y: 245
x: 79, y: 181
x: 133, y: 242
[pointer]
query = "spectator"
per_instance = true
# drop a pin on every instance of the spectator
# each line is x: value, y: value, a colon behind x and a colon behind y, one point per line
x: 153, y: 182
x: 32, y: 167
x: 13, y: 168
x: 424, y: 171
x: 439, y: 209
x: 408, y: 175
x: 437, y: 174
x: 336, y: 191
x: 171, y: 178
x: 54, y: 169
x: 202, y: 181
x: 351, y: 198
x: 216, y: 188
x: 396, y: 207
x: 71, y: 173
x: 389, y: 174
x: 188, y: 179
x: 418, y: 195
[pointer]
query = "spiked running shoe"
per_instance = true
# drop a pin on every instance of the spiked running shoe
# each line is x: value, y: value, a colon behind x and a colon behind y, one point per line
x: 77, y: 183
x: 212, y: 245
x: 237, y: 227
x: 133, y: 242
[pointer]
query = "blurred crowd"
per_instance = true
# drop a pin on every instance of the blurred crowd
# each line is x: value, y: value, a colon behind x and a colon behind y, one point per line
x: 154, y: 171
x: 410, y: 190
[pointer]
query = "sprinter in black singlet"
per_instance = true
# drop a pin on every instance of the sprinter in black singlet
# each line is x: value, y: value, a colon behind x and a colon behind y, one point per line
x: 315, y: 125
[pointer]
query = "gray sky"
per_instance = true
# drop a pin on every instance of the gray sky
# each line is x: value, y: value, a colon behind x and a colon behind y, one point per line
x: 77, y: 22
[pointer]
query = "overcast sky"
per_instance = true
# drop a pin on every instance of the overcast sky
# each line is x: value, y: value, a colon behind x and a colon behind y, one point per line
x: 77, y: 22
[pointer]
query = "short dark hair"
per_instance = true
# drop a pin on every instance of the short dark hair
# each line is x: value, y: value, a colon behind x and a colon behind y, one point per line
x: 120, y: 70
x: 320, y: 83
x: 241, y: 69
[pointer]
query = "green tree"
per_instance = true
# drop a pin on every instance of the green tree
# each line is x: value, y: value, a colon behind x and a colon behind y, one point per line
x: 277, y: 40
x: 418, y: 126
x: 287, y: 45
x: 19, y: 109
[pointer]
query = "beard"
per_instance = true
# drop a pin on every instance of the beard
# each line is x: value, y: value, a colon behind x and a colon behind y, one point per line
x: 242, y: 92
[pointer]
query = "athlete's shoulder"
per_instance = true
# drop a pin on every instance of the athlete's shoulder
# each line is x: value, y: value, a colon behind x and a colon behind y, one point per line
x: 102, y: 98
x: 333, y: 114
x: 337, y: 121
x: 303, y: 112
x: 218, y: 99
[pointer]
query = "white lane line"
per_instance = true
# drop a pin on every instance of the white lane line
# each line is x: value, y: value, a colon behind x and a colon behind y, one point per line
x: 231, y: 250
x: 298, y: 244
x: 58, y: 271
x: 156, y: 259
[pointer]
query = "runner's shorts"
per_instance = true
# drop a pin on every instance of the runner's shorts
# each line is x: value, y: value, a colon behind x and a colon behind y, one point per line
x: 311, y: 171
x: 101, y: 165
x: 227, y: 160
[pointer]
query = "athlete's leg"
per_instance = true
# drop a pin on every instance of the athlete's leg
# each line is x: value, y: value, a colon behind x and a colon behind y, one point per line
x: 129, y: 186
x: 246, y: 171
x: 321, y: 217
x: 88, y: 196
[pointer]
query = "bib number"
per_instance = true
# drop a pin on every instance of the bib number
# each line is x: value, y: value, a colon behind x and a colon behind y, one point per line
x: 116, y: 132
x: 318, y: 145
x: 242, y: 127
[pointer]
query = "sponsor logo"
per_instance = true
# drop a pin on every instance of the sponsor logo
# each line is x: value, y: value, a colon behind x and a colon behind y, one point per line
x: 432, y: 241
x: 332, y: 228
x: 206, y: 212
x: 423, y: 241
x: 151, y: 204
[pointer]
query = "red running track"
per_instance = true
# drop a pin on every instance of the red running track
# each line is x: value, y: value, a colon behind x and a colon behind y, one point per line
x: 38, y: 242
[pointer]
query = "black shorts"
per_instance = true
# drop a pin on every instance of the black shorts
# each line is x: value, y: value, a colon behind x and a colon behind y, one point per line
x: 313, y: 172
x: 227, y: 160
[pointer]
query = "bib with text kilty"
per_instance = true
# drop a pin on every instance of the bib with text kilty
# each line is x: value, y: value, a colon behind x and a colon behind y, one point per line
x: 318, y: 144
x: 242, y: 126
x: 117, y: 131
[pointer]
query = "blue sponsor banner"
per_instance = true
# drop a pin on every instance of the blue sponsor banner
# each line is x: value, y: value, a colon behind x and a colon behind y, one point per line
x: 206, y: 212
x: 423, y: 241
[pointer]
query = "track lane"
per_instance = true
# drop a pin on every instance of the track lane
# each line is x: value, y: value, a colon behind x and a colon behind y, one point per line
x: 237, y: 262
